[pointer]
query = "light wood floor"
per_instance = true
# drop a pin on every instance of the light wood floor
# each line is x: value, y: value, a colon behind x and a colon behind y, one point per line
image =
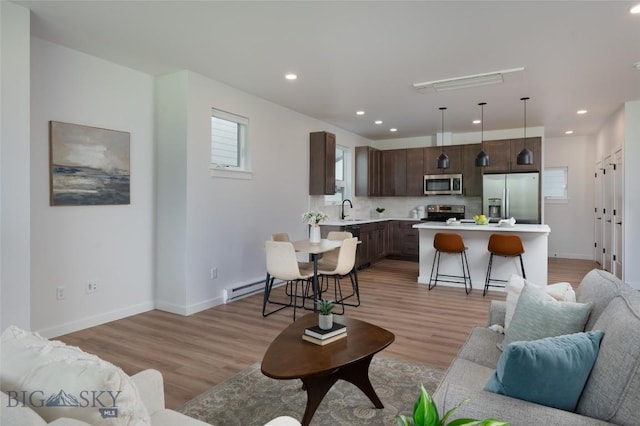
x: 196, y: 352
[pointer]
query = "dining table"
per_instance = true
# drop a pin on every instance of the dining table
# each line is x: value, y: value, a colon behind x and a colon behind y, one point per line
x: 314, y: 250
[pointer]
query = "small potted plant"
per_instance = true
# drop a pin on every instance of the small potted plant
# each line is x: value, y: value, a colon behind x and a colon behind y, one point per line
x: 425, y: 413
x: 380, y: 210
x: 325, y: 307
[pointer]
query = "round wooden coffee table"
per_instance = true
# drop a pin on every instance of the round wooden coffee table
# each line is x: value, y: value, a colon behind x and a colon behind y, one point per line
x: 319, y: 367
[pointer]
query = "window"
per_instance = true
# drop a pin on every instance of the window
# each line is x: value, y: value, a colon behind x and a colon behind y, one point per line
x: 555, y: 183
x: 343, y: 176
x: 229, y: 145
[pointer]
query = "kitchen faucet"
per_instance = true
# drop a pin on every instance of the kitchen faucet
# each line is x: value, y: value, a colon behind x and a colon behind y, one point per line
x: 342, y: 215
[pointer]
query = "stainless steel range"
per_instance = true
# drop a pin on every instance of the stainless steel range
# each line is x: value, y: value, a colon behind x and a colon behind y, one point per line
x: 442, y: 212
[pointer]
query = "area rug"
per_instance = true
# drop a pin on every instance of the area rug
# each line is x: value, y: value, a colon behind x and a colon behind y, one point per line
x: 250, y: 398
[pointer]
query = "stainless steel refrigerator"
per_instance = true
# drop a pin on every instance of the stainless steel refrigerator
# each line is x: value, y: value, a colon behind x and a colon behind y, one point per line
x: 518, y: 195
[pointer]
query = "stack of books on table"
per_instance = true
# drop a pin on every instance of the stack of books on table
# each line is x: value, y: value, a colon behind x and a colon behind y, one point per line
x: 323, y: 337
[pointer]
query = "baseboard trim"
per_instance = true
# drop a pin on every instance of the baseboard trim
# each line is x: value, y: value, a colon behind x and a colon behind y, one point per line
x: 574, y: 256
x: 188, y: 309
x: 92, y: 321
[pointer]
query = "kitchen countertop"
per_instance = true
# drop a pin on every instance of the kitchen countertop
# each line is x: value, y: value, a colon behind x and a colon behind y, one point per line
x: 358, y: 221
x: 492, y: 227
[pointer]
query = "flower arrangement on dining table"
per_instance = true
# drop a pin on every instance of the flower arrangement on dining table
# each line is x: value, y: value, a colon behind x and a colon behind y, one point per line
x: 314, y: 218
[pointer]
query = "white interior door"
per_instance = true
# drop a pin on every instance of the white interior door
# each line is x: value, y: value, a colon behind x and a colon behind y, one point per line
x: 607, y: 213
x: 598, y: 221
x: 618, y: 222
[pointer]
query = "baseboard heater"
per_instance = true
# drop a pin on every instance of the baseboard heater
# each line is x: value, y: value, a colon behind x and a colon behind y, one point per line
x: 241, y: 291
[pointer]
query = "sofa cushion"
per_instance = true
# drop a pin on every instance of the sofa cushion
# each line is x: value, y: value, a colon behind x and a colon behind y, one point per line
x: 539, y: 315
x: 613, y: 389
x: 63, y: 381
x: 550, y: 371
x: 482, y: 404
x: 599, y: 288
x: 481, y: 347
x: 560, y: 291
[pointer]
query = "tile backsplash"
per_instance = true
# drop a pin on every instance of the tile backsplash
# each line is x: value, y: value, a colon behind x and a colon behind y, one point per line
x: 397, y: 207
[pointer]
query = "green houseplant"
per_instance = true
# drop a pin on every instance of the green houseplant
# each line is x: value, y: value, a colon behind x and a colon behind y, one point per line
x: 325, y: 319
x: 425, y: 413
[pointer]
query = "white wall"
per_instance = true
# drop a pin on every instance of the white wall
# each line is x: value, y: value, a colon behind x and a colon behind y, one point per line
x: 14, y: 166
x: 111, y: 245
x: 226, y: 221
x: 571, y: 223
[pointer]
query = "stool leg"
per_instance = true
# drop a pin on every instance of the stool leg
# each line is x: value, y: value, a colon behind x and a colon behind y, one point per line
x: 436, y: 256
x: 466, y: 275
x: 522, y: 266
x: 488, y: 277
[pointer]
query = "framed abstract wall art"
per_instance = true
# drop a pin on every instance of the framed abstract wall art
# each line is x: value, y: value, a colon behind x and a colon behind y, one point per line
x: 88, y: 165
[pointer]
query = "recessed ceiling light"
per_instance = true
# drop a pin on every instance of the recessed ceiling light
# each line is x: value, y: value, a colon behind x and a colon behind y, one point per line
x: 476, y: 121
x: 291, y: 76
x: 393, y: 129
x: 635, y: 9
x: 568, y: 132
x: 359, y: 112
x: 378, y: 121
x: 581, y: 111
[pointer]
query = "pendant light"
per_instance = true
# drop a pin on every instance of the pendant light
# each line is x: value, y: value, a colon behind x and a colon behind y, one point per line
x: 482, y: 160
x: 525, y: 157
x: 443, y: 160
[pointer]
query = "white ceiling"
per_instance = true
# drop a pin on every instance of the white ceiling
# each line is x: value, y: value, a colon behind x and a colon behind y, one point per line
x: 352, y: 55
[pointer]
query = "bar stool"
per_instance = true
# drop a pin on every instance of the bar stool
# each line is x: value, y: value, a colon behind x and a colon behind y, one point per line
x: 505, y: 246
x: 450, y: 243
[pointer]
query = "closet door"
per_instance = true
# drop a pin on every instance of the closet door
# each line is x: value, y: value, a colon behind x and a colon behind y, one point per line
x: 597, y: 219
x: 607, y: 213
x: 618, y: 222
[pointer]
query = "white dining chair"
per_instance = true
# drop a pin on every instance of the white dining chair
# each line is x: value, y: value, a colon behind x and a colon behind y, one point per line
x: 330, y: 258
x: 282, y: 264
x: 345, y: 266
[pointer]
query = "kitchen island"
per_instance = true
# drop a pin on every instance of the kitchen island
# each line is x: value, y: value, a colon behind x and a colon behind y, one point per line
x: 476, y: 237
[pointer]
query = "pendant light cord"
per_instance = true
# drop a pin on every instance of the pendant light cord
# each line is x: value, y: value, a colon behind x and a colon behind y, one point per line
x: 525, y: 120
x: 482, y: 104
x: 442, y: 142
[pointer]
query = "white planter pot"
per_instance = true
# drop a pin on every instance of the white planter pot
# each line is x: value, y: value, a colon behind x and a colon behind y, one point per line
x: 325, y: 322
x: 314, y: 234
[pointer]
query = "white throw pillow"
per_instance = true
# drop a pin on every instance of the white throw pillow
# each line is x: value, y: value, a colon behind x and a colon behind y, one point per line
x: 560, y: 291
x: 57, y: 380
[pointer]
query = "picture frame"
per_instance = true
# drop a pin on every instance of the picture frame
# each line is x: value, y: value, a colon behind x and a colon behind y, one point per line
x: 88, y: 165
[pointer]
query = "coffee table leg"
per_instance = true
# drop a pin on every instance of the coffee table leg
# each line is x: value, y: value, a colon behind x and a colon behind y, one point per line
x: 358, y: 374
x: 317, y: 388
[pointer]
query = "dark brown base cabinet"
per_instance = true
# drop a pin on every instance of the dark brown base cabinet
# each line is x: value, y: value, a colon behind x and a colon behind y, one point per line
x: 390, y: 238
x: 405, y: 240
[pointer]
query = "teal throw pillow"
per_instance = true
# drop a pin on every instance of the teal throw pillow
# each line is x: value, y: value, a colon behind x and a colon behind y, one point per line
x: 538, y: 315
x: 550, y: 371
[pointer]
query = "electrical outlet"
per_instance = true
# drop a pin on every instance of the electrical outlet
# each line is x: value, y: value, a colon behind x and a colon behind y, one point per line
x: 60, y: 293
x: 92, y: 287
x: 214, y: 273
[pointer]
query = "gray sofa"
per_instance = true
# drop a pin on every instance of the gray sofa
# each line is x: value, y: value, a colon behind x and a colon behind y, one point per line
x: 612, y: 392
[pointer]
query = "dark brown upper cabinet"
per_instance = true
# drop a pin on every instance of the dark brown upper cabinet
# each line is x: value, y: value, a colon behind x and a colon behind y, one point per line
x: 503, y: 155
x: 471, y: 175
x: 394, y: 172
x: 415, y: 171
x: 368, y: 174
x: 322, y: 163
x: 431, y: 154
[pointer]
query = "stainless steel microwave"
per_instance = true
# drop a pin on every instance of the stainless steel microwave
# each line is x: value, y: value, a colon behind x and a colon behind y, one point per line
x: 443, y: 184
